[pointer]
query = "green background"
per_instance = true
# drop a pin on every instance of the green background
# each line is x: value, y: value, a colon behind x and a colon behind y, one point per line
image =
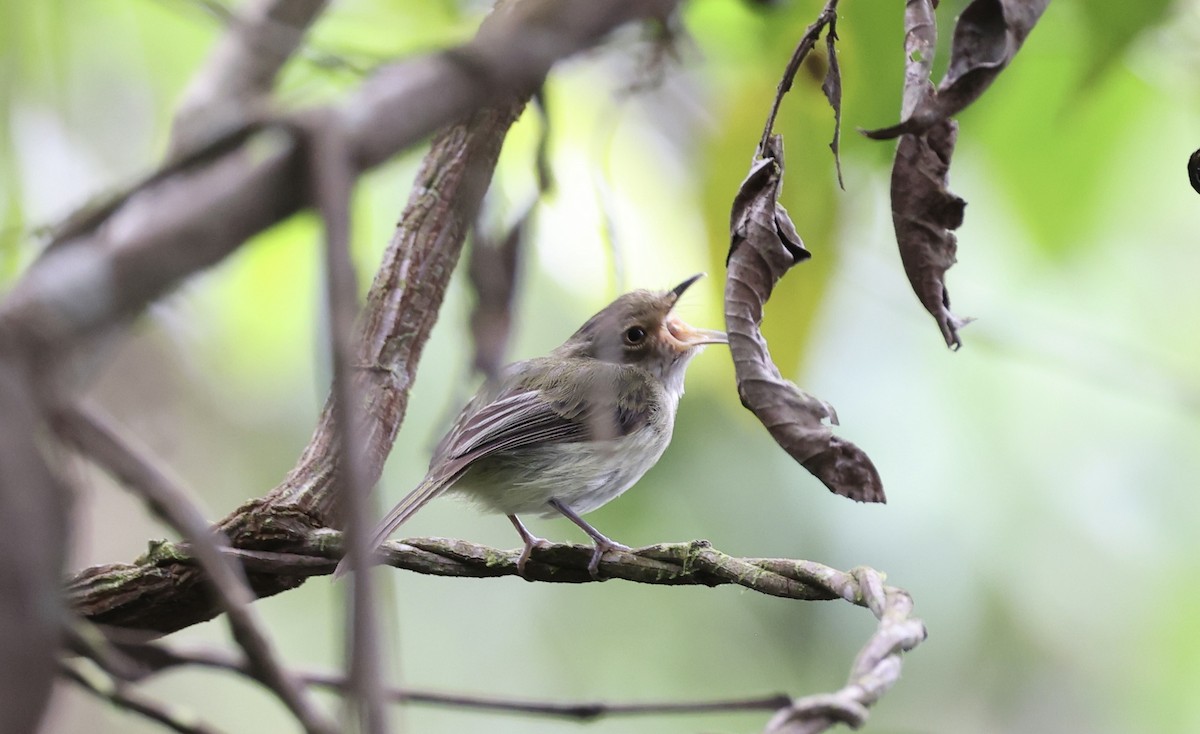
x: 1042, y: 481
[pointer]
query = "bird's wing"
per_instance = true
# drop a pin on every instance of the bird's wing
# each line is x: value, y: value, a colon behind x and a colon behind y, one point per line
x: 595, y: 403
x: 518, y: 418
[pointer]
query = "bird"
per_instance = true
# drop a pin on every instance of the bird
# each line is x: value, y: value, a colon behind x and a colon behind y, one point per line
x: 566, y: 433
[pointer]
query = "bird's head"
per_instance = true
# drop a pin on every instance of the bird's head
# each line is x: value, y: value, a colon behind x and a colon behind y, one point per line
x: 640, y: 328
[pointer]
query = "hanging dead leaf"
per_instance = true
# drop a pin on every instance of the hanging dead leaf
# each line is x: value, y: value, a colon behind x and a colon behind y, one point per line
x: 832, y: 87
x: 986, y: 37
x: 763, y: 246
x: 923, y: 213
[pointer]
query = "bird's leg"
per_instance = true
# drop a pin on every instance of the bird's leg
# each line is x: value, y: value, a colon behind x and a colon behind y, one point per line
x: 531, y: 541
x: 603, y: 542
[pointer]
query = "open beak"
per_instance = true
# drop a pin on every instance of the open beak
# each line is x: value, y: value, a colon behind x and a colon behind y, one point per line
x: 684, y: 335
x: 687, y: 336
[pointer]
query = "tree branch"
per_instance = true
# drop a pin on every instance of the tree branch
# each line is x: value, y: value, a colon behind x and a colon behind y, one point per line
x: 183, y: 223
x: 157, y: 658
x: 875, y: 669
x: 122, y: 697
x: 239, y: 75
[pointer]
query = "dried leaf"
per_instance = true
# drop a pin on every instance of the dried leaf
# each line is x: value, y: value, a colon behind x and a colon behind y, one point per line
x: 986, y: 37
x: 763, y: 246
x: 492, y: 270
x: 923, y: 213
x: 832, y: 87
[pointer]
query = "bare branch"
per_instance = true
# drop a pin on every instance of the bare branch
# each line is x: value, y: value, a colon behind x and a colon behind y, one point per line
x: 514, y: 49
x: 91, y: 433
x: 811, y: 35
x: 179, y: 225
x: 874, y: 671
x: 239, y: 75
x: 156, y: 657
x: 121, y: 696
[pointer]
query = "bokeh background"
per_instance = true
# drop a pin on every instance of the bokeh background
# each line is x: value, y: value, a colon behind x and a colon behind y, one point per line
x: 1042, y: 481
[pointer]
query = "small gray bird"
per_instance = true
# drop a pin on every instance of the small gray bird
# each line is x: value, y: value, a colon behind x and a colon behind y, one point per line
x: 568, y: 432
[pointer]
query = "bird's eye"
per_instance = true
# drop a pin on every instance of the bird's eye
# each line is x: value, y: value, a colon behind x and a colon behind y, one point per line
x: 634, y: 335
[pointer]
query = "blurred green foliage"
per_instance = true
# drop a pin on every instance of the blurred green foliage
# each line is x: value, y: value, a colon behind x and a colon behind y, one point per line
x: 1041, y: 481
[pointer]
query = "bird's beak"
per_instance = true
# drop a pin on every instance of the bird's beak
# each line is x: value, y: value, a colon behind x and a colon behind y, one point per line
x: 674, y: 294
x: 687, y: 336
x: 684, y: 335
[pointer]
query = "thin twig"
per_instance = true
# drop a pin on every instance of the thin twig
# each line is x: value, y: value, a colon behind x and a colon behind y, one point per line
x: 585, y: 710
x: 91, y: 641
x: 94, y: 436
x: 332, y: 180
x: 121, y: 696
x: 920, y: 42
x: 161, y: 658
x: 811, y: 35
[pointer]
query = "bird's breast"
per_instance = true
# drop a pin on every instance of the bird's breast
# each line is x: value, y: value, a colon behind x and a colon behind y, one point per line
x: 583, y: 475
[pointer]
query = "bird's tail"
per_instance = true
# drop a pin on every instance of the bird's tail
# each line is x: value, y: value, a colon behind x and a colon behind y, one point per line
x: 429, y: 488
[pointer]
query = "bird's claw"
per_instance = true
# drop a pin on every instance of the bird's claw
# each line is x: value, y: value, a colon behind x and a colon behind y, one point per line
x: 531, y: 542
x: 598, y: 551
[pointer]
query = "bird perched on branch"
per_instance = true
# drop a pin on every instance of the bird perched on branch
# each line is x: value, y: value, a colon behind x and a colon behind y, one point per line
x: 568, y: 432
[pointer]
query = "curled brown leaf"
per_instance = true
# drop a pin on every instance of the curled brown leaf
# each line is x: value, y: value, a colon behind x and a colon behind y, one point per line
x: 923, y: 210
x: 923, y: 213
x: 986, y: 37
x: 763, y: 246
x: 832, y: 87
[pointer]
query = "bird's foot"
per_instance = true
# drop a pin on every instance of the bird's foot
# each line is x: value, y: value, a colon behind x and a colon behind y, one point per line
x: 531, y: 542
x: 603, y: 545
